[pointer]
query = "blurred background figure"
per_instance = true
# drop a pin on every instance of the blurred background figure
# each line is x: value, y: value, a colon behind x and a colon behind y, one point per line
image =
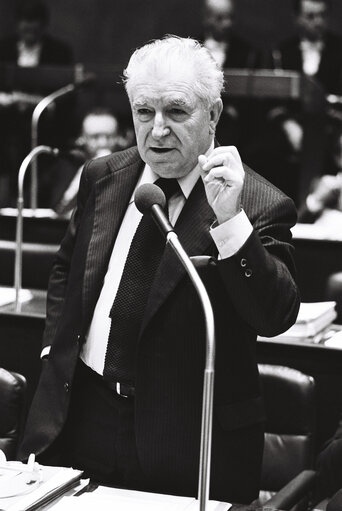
x: 314, y: 51
x: 325, y: 197
x: 231, y: 52
x: 100, y: 136
x: 228, y: 49
x: 30, y: 46
x: 296, y: 130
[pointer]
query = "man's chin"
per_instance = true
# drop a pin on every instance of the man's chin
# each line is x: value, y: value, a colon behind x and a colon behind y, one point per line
x: 168, y: 171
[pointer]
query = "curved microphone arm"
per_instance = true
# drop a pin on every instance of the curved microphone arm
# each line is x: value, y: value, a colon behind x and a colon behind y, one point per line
x: 19, y: 226
x: 37, y: 112
x: 209, y: 370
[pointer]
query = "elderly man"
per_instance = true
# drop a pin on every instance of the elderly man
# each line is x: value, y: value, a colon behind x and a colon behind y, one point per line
x: 121, y: 390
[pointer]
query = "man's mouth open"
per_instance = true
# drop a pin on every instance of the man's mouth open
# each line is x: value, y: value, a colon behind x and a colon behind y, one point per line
x: 161, y: 150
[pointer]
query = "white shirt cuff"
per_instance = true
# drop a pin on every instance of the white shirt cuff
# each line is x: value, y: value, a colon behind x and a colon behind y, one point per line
x: 230, y: 236
x: 45, y: 351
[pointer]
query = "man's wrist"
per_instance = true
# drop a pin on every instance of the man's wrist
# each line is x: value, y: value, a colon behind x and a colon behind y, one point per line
x: 231, y: 235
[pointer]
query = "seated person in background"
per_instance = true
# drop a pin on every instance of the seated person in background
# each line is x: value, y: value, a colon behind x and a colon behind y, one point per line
x: 30, y: 46
x: 326, y: 191
x: 315, y: 52
x: 99, y: 137
x: 230, y: 51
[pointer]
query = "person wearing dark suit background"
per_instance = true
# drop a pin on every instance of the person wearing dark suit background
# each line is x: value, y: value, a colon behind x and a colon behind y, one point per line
x: 100, y: 135
x: 316, y: 53
x: 231, y: 52
x: 121, y: 387
x: 228, y: 49
x: 31, y: 46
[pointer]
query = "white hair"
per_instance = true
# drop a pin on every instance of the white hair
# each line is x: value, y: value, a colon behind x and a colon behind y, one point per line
x: 171, y: 53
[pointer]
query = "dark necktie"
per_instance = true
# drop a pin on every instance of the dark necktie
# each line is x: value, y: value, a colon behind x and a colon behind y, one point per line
x: 129, y: 304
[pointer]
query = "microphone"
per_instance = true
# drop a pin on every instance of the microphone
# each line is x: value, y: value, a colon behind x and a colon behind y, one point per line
x: 149, y: 198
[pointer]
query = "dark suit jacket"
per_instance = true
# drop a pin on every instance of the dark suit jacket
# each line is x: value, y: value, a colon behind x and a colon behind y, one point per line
x: 329, y: 72
x: 54, y: 51
x: 170, y: 356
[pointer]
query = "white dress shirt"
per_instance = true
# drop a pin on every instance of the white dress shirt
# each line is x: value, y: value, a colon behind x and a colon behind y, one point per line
x: 228, y: 237
x: 311, y: 55
x: 28, y: 56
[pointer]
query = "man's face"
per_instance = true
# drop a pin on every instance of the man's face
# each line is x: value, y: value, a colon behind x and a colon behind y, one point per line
x: 171, y: 123
x: 313, y: 19
x: 30, y: 31
x: 219, y: 18
x: 100, y: 134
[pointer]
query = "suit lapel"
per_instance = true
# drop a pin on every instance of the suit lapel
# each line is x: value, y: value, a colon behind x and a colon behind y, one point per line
x: 112, y: 195
x: 192, y: 228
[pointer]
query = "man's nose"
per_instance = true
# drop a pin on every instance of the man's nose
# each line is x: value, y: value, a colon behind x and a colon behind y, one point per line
x: 159, y: 129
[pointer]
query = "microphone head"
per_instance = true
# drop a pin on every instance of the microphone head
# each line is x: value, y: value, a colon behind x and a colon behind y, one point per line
x: 148, y: 195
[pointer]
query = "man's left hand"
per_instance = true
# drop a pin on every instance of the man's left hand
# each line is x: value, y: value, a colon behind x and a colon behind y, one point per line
x: 223, y: 177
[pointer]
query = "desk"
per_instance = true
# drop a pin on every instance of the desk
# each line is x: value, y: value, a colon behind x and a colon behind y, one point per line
x: 46, y: 227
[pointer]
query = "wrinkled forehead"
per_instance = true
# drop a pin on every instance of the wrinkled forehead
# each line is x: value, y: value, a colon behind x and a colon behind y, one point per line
x: 179, y: 84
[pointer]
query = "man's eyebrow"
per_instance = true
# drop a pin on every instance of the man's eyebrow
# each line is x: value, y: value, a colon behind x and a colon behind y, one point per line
x: 140, y: 102
x: 179, y: 102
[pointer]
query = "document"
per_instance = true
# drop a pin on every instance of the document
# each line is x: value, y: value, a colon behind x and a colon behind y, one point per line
x: 126, y: 500
x: 54, y: 481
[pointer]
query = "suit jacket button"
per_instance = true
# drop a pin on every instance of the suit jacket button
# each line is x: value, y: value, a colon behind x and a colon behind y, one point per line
x: 243, y: 262
x: 248, y: 272
x: 66, y: 387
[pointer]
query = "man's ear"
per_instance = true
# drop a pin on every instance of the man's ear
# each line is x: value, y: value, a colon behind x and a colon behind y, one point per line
x: 215, y: 113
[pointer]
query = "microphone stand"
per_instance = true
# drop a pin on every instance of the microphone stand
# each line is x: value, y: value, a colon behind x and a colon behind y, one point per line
x: 37, y: 112
x: 209, y: 370
x: 19, y: 225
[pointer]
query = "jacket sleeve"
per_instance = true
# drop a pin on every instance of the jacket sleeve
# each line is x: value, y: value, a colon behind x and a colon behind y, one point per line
x: 260, y: 277
x: 60, y: 270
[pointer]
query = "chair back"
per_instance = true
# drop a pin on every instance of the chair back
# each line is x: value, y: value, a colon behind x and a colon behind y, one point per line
x: 12, y: 402
x: 290, y: 407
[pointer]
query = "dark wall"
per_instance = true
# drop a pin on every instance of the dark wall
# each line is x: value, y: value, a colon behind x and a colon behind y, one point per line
x: 106, y: 31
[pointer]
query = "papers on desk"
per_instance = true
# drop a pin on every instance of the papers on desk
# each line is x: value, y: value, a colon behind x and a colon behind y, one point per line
x: 7, y: 295
x: 312, y: 319
x: 56, y: 481
x: 327, y: 227
x: 109, y: 499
